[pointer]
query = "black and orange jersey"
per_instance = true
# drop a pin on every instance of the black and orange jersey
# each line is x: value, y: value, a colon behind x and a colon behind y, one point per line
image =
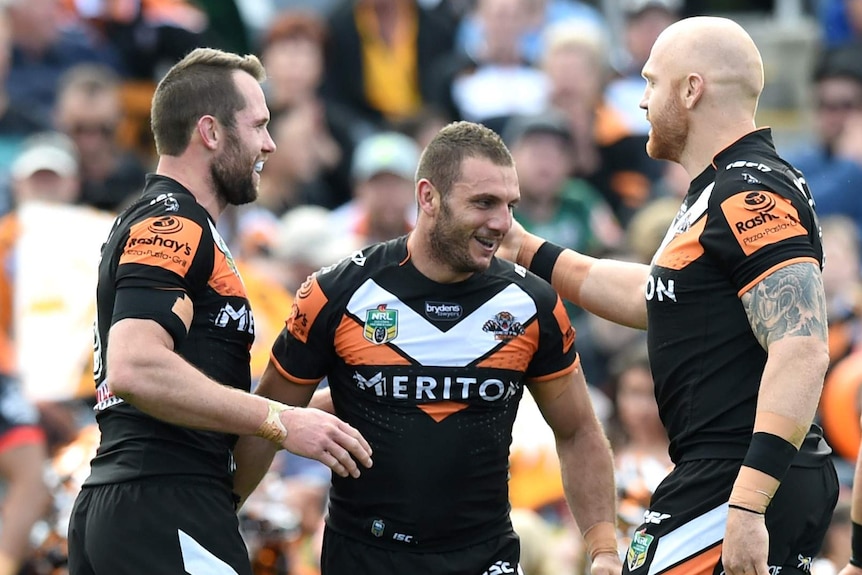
x: 431, y: 374
x: 747, y: 215
x: 162, y: 252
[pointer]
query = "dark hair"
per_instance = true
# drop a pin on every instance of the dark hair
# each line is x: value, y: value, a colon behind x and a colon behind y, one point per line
x: 200, y: 84
x: 441, y: 161
x: 843, y: 61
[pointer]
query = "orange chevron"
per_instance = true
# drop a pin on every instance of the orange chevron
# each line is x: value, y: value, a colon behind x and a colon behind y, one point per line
x: 516, y: 353
x: 354, y: 349
x: 440, y: 410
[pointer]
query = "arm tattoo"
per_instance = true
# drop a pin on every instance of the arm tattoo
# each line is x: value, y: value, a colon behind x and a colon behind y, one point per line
x: 788, y: 302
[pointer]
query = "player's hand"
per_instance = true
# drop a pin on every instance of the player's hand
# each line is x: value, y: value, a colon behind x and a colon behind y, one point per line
x: 606, y: 564
x: 512, y: 242
x: 746, y: 544
x: 850, y: 570
x: 319, y: 435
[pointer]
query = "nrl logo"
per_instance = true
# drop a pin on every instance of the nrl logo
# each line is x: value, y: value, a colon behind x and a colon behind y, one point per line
x: 381, y: 324
x: 638, y: 549
x: 503, y: 326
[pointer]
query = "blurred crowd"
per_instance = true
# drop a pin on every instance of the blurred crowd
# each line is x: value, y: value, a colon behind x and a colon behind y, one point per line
x: 356, y: 88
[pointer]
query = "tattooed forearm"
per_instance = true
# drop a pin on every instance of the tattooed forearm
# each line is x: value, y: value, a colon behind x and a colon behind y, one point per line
x: 789, y: 302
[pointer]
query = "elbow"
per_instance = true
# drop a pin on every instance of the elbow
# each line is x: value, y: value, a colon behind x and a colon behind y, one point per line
x: 121, y: 379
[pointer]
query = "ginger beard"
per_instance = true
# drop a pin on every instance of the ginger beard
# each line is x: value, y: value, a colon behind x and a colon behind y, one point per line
x: 669, y: 134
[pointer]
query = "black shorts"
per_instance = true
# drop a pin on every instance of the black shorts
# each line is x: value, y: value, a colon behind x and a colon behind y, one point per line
x: 684, y: 527
x: 166, y: 526
x: 342, y: 555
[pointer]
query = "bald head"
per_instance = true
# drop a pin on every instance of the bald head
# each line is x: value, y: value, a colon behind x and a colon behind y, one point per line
x: 717, y: 49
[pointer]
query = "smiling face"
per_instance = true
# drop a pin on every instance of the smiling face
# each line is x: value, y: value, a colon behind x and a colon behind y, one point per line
x: 473, y: 217
x: 235, y: 168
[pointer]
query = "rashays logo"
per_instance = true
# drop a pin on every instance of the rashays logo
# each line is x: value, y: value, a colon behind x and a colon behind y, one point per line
x: 763, y: 205
x: 760, y: 218
x: 443, y: 311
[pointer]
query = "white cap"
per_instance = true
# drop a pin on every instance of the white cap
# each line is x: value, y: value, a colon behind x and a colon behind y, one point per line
x: 306, y: 235
x: 49, y: 151
x: 386, y: 152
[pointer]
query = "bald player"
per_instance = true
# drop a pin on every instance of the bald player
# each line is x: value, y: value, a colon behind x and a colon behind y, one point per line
x: 734, y: 309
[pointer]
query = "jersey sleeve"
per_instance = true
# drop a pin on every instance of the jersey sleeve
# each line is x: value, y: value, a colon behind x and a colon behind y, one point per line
x: 556, y: 354
x: 752, y: 232
x: 304, y: 351
x: 163, y: 264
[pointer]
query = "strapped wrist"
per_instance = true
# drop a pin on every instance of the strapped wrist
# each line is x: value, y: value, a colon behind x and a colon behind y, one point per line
x: 601, y: 537
x: 272, y: 428
x: 544, y: 260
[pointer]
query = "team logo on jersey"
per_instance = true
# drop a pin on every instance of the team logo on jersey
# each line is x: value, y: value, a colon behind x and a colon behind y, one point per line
x: 381, y: 324
x: 638, y: 548
x: 170, y: 202
x: 503, y: 326
x: 378, y: 527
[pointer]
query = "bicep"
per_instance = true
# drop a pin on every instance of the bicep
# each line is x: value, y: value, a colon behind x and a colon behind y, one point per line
x: 789, y: 302
x: 564, y: 402
x: 274, y: 385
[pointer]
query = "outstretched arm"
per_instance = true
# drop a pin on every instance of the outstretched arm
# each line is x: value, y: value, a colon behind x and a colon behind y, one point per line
x: 610, y: 289
x: 586, y: 464
x: 787, y: 313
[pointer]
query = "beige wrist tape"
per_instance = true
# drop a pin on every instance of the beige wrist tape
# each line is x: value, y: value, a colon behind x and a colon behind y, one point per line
x: 272, y: 428
x: 601, y: 538
x: 753, y: 490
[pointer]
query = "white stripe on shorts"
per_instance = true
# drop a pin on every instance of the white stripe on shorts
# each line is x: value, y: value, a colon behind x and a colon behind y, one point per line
x: 198, y: 561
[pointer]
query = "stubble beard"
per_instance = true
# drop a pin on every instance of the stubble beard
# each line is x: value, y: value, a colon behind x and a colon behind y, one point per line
x: 449, y: 246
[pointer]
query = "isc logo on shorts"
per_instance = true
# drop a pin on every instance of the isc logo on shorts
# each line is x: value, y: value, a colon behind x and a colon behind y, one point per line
x: 499, y: 568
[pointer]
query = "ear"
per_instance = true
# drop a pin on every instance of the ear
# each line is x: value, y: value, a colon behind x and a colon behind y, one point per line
x: 427, y: 197
x: 693, y: 88
x: 209, y: 131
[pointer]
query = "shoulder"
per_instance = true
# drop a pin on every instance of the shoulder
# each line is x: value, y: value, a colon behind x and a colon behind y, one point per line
x: 350, y: 272
x: 538, y: 289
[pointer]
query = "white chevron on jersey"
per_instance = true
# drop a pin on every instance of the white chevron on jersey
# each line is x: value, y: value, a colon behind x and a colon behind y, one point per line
x: 423, y: 341
x: 689, y: 539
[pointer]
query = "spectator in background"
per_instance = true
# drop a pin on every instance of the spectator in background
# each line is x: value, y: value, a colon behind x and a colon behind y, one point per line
x: 832, y: 164
x: 44, y: 171
x: 495, y: 81
x: 17, y: 121
x: 44, y: 47
x: 539, y: 15
x: 843, y: 285
x: 605, y: 153
x: 292, y: 50
x: 553, y: 204
x: 148, y: 35
x: 644, y: 20
x: 384, y: 203
x: 382, y: 60
x: 89, y: 111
